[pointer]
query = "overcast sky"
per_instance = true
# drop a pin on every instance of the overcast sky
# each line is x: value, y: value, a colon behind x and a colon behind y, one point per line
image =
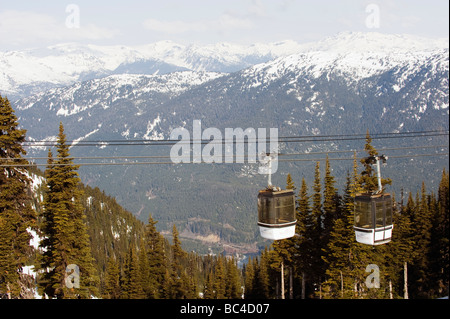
x: 31, y: 23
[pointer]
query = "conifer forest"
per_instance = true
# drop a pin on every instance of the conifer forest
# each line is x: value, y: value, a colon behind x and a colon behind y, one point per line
x: 80, y: 243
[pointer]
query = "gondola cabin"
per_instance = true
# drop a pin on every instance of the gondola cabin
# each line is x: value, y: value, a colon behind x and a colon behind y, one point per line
x: 276, y: 213
x: 373, y: 218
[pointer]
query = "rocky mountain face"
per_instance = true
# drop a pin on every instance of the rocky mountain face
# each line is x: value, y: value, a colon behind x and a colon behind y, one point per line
x: 345, y: 85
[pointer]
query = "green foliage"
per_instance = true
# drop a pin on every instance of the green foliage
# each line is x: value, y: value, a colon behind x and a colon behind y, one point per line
x: 112, y: 280
x: 131, y: 281
x: 16, y: 213
x: 65, y: 231
x: 368, y: 179
x: 257, y: 278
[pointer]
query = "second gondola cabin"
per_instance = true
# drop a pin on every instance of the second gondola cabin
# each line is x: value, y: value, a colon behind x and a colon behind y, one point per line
x: 276, y: 213
x: 373, y: 218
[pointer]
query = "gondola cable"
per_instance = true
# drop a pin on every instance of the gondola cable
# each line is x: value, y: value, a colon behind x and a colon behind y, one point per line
x: 281, y: 139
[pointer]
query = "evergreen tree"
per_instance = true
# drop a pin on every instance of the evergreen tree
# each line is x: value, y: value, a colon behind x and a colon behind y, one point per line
x: 249, y: 279
x: 316, y: 234
x: 167, y: 286
x: 219, y: 278
x: 331, y: 208
x: 232, y: 280
x: 402, y: 248
x: 331, y: 202
x: 290, y: 182
x: 193, y: 276
x: 303, y: 212
x: 261, y: 284
x: 422, y: 238
x: 440, y: 238
x: 179, y: 280
x: 304, y: 245
x: 209, y: 292
x: 144, y: 271
x: 112, y: 280
x: 339, y: 266
x: 257, y: 279
x: 132, y: 280
x: 178, y: 253
x: 16, y: 214
x: 156, y: 258
x: 66, y: 240
x: 368, y: 179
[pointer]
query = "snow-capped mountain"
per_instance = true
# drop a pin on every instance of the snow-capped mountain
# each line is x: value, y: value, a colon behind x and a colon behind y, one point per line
x: 104, y: 106
x: 105, y: 91
x: 357, y: 56
x: 30, y: 71
x: 416, y: 77
x: 343, y: 85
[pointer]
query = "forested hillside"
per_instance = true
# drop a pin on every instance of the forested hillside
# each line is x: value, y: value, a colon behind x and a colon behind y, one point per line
x: 133, y: 260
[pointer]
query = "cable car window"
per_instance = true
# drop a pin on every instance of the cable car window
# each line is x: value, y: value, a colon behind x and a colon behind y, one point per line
x: 285, y: 209
x: 363, y: 214
x: 389, y: 212
x: 264, y: 204
x: 277, y: 210
x: 379, y: 214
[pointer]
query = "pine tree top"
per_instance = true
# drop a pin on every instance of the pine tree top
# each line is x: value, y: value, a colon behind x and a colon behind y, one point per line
x: 368, y: 180
x: 11, y: 137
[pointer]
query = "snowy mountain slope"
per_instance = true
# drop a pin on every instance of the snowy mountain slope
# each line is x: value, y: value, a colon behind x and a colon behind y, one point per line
x: 351, y: 61
x: 410, y: 82
x: 31, y: 71
x: 111, y: 88
x: 130, y: 101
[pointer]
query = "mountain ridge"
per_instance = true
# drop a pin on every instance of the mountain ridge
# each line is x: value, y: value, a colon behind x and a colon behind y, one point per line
x: 29, y: 71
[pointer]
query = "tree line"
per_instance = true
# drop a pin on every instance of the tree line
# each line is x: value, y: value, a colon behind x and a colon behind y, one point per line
x: 323, y: 260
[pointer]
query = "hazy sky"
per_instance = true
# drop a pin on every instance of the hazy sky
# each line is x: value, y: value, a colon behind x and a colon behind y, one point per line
x: 31, y: 23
